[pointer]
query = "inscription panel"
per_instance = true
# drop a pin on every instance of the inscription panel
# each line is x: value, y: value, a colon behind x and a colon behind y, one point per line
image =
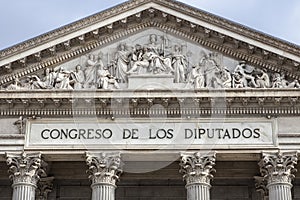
x: 150, y: 134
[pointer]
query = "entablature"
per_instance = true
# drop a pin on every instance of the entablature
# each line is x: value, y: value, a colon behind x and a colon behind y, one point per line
x: 144, y: 103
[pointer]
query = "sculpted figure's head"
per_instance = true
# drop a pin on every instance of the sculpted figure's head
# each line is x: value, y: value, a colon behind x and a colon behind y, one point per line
x: 78, y: 67
x: 177, y: 48
x: 153, y: 38
x: 122, y: 46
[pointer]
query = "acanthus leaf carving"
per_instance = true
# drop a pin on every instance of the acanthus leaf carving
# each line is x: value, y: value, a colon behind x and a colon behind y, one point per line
x: 197, y: 168
x: 104, y: 168
x: 278, y: 167
x: 26, y: 168
x: 44, y: 187
x: 261, y: 187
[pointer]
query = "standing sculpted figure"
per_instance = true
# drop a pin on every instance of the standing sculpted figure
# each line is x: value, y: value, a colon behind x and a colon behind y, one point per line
x: 77, y: 78
x: 196, y: 77
x: 121, y: 63
x: 179, y: 64
x: 90, y: 72
x: 211, y: 71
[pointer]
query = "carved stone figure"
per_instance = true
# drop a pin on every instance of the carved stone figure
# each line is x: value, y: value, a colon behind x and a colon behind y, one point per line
x: 77, y: 78
x: 15, y: 86
x: 262, y: 79
x: 159, y: 63
x: 211, y: 70
x: 277, y: 82
x: 45, y: 83
x: 225, y: 77
x: 106, y: 80
x: 90, y: 72
x: 179, y: 64
x: 62, y: 80
x: 196, y: 77
x: 21, y: 123
x: 140, y: 61
x: 238, y: 80
x: 287, y: 84
x: 121, y: 63
x: 249, y: 80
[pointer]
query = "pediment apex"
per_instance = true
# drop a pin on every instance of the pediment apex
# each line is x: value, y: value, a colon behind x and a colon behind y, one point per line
x: 133, y: 7
x: 51, y: 46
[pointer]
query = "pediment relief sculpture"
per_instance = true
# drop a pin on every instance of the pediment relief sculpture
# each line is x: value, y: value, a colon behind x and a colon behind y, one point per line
x: 148, y: 55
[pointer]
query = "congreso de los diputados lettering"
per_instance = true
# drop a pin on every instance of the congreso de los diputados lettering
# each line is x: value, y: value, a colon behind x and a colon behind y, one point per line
x: 150, y: 99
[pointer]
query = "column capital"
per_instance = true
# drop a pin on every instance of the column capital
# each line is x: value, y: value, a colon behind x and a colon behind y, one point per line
x: 278, y: 168
x: 44, y: 187
x: 197, y: 168
x: 25, y: 168
x: 104, y: 168
x: 261, y: 187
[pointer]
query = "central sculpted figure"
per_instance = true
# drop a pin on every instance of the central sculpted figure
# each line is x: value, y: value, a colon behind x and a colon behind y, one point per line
x: 158, y: 61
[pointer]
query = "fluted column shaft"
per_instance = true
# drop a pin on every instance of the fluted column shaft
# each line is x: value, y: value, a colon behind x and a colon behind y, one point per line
x: 23, y: 191
x: 280, y: 191
x: 104, y: 171
x: 25, y: 170
x: 198, y: 191
x: 197, y: 171
x: 278, y: 169
x: 102, y: 191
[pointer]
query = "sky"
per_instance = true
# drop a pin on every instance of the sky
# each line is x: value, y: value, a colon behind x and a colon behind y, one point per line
x: 21, y: 20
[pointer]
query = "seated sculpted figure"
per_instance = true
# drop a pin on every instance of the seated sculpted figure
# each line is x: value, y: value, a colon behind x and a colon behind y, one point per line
x: 279, y: 81
x: 238, y: 81
x: 62, y: 80
x: 106, y: 80
x: 196, y: 77
x: 77, y: 78
x: 224, y: 79
x: 262, y: 79
x: 139, y: 61
x: 158, y: 61
x: 249, y: 80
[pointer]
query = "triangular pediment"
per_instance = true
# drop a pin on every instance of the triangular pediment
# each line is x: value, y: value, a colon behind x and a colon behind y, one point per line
x: 199, y: 38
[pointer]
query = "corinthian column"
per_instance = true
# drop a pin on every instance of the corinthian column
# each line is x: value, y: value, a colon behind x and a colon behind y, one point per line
x: 25, y: 170
x: 104, y: 171
x: 197, y: 172
x: 277, y: 169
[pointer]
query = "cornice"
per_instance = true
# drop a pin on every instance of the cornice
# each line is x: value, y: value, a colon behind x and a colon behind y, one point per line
x: 124, y: 7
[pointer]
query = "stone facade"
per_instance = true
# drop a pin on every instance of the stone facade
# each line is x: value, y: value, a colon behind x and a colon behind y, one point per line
x: 151, y: 99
